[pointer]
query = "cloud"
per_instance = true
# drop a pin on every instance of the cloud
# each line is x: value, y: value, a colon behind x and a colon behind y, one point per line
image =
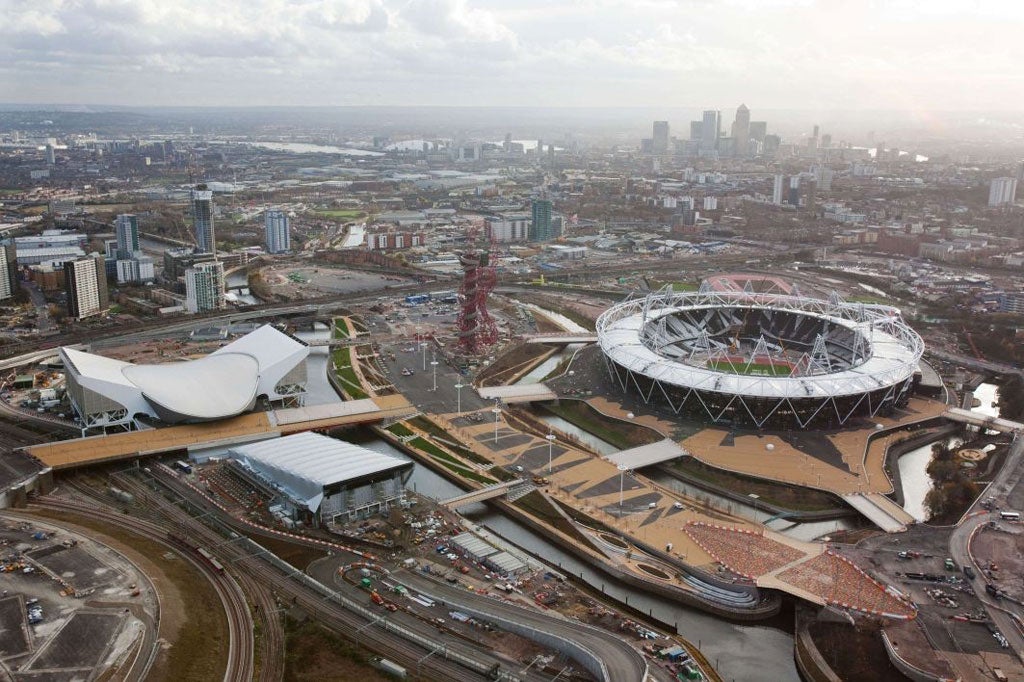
x: 781, y: 53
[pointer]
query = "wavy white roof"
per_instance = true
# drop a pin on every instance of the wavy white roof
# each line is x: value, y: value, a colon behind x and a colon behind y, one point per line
x: 213, y: 387
x: 223, y: 384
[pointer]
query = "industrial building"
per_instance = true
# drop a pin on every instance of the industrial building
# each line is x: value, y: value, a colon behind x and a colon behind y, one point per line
x: 107, y: 393
x: 323, y: 480
x: 479, y: 550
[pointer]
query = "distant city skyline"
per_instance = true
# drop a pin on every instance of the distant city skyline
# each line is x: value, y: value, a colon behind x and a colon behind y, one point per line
x: 943, y: 55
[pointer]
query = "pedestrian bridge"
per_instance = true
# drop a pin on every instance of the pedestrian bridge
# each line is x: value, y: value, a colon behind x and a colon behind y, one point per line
x: 490, y: 492
x: 517, y: 393
x: 563, y: 338
x: 985, y: 421
x: 645, y: 455
x: 881, y: 511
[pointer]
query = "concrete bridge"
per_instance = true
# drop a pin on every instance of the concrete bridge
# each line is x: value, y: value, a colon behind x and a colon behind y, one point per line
x: 335, y: 343
x: 517, y: 393
x: 490, y: 492
x: 972, y: 418
x: 562, y: 338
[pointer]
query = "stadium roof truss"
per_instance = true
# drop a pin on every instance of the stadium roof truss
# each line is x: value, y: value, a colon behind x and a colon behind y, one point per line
x: 679, y: 348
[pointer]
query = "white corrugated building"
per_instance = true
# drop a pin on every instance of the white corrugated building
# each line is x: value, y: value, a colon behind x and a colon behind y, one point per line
x: 329, y: 480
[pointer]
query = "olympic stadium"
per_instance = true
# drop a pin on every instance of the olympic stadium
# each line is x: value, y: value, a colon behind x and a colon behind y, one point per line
x: 767, y: 360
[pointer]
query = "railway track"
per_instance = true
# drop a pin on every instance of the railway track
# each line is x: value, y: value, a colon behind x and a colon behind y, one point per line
x: 264, y: 602
x: 240, y: 626
x: 416, y: 646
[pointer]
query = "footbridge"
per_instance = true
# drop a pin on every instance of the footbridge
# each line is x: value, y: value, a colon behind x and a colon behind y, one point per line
x: 336, y: 343
x: 69, y: 454
x: 517, y: 393
x: 497, y: 490
x: 645, y: 455
x: 562, y: 338
x: 881, y: 511
x: 984, y: 421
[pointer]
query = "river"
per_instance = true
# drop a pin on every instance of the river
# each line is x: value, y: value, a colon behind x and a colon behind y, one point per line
x: 305, y: 148
x: 739, y: 651
x: 742, y: 652
x: 913, y: 475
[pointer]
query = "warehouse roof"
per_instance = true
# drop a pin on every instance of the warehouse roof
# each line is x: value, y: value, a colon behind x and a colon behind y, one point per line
x: 305, y: 464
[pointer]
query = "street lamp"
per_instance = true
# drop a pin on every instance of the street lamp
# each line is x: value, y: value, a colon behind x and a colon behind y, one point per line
x: 622, y: 477
x: 755, y: 497
x: 458, y: 389
x: 433, y: 363
x: 423, y: 346
x: 551, y: 441
x: 497, y: 413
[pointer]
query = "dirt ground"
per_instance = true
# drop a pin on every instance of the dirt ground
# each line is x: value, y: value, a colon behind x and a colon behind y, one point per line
x: 857, y: 652
x: 315, y: 654
x: 191, y: 618
x: 1005, y: 549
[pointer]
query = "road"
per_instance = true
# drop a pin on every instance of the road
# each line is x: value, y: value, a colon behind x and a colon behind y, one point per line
x: 345, y: 610
x: 624, y: 663
x: 43, y: 319
x: 1005, y: 486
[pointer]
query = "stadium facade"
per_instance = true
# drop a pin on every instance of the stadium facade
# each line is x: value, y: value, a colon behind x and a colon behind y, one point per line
x: 107, y: 393
x: 767, y: 360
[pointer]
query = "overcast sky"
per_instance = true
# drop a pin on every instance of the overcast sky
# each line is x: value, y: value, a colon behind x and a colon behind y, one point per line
x: 846, y: 54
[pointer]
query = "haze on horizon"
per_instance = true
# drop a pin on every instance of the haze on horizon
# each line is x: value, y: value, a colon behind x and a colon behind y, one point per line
x: 903, y: 55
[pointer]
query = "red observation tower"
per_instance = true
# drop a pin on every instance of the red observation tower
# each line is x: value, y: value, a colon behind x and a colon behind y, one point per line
x: 476, y: 328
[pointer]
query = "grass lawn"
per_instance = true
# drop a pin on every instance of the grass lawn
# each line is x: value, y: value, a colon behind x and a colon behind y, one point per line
x: 621, y: 434
x: 340, y: 329
x: 400, y: 429
x: 312, y: 652
x: 778, y: 494
x: 676, y: 286
x: 346, y: 374
x: 754, y: 369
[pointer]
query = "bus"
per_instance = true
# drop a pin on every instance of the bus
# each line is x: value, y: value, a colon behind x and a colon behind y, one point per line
x: 1010, y: 516
x: 183, y: 466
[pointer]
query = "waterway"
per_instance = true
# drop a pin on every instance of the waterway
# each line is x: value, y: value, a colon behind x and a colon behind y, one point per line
x: 318, y: 389
x: 742, y: 652
x: 304, y: 148
x: 543, y: 369
x: 554, y: 421
x: 559, y: 319
x: 913, y: 475
x: 239, y: 278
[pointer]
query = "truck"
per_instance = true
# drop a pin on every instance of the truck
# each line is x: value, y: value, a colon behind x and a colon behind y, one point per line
x: 389, y: 667
x: 949, y: 564
x: 969, y: 572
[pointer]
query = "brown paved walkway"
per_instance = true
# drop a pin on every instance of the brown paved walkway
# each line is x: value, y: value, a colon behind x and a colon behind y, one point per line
x: 95, y: 449
x: 597, y: 488
x: 840, y: 462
